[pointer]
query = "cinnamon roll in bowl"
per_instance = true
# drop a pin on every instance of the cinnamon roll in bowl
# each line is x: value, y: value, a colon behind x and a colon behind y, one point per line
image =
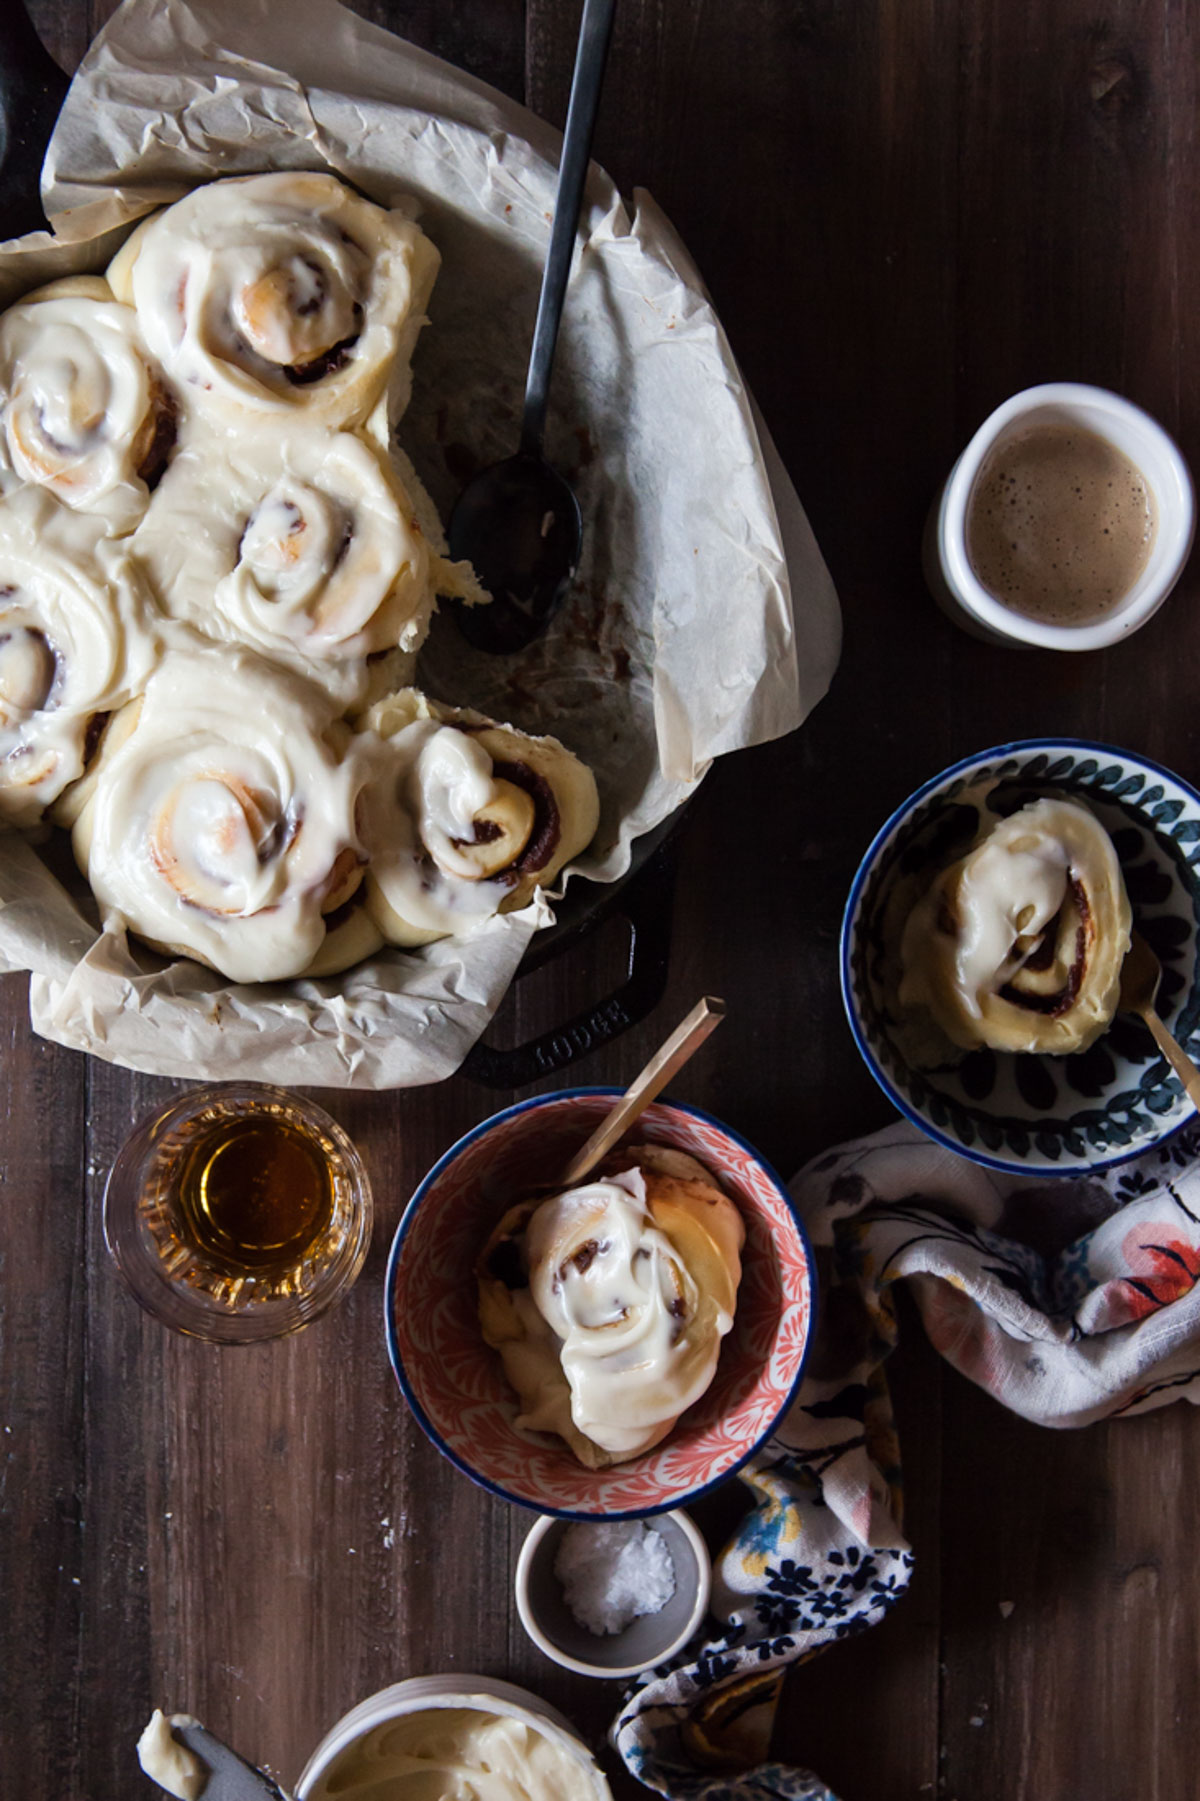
x: 607, y: 1303
x: 982, y: 947
x: 1019, y: 945
x: 77, y: 640
x: 454, y: 1379
x: 280, y: 294
x: 221, y: 819
x: 83, y: 412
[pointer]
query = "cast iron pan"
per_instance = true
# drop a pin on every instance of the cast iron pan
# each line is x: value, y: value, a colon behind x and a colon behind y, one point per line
x: 32, y: 89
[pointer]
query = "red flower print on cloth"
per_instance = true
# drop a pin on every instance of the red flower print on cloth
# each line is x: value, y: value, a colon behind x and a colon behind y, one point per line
x: 1162, y: 1267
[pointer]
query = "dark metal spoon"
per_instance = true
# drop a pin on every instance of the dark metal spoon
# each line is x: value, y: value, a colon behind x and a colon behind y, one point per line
x: 518, y: 522
x: 227, y: 1777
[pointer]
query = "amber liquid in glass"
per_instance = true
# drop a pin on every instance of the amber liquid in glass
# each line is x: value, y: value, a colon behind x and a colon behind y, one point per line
x: 255, y: 1194
x: 249, y: 1202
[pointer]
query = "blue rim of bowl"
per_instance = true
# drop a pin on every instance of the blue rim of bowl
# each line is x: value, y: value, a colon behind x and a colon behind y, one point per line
x: 1009, y: 1166
x: 685, y: 1498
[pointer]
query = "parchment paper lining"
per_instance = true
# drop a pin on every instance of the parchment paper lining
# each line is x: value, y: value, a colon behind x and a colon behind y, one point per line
x: 702, y: 620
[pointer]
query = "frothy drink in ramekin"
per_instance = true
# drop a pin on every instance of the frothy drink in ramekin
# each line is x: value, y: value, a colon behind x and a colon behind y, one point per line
x: 1065, y: 523
x: 1060, y: 523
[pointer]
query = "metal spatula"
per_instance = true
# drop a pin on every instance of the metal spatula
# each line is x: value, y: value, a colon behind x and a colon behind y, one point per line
x: 229, y: 1777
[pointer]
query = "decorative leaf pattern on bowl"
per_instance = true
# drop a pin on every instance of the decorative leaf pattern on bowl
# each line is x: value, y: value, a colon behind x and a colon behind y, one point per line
x: 1059, y: 1114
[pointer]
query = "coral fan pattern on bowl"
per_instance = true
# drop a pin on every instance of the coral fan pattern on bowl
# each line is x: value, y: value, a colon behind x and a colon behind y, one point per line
x: 1032, y: 1113
x: 454, y: 1381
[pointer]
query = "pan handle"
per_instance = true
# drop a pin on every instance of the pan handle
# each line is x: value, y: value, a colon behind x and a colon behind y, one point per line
x: 32, y: 89
x: 646, y: 905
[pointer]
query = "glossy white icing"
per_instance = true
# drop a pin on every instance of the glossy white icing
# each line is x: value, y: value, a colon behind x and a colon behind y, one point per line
x: 432, y: 784
x: 1008, y: 893
x: 77, y: 638
x: 1019, y: 945
x: 244, y: 286
x: 298, y: 541
x: 460, y: 1754
x: 76, y: 402
x: 217, y: 828
x: 636, y: 1343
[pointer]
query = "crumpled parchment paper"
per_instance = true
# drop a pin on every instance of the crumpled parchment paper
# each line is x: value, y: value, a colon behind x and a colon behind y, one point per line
x: 702, y: 618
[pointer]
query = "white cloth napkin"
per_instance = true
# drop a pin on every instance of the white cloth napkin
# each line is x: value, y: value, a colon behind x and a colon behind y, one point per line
x: 1067, y: 1299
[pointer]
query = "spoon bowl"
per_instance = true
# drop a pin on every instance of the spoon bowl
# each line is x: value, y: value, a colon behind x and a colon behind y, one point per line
x: 518, y: 524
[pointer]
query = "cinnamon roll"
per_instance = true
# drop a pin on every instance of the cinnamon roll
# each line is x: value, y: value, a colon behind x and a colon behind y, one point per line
x: 608, y: 1303
x: 76, y: 641
x: 1019, y: 945
x: 82, y: 411
x: 221, y: 824
x: 465, y: 818
x: 301, y: 543
x: 279, y: 293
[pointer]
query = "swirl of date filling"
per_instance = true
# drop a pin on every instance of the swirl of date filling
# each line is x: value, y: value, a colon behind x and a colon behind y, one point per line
x: 77, y: 640
x: 302, y: 544
x: 279, y: 293
x: 82, y: 412
x: 464, y: 818
x: 221, y: 819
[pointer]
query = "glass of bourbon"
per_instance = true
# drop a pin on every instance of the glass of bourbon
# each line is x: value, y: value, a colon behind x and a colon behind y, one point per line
x: 239, y: 1213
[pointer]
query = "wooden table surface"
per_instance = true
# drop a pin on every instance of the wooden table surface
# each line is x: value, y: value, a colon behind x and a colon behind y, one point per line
x: 906, y: 210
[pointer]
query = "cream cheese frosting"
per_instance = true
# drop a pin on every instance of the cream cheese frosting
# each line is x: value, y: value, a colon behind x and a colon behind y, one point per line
x: 300, y: 542
x: 617, y: 1310
x: 279, y: 293
x: 1019, y: 945
x: 610, y: 1305
x: 461, y: 1754
x: 80, y: 407
x: 464, y: 818
x: 77, y: 639
x: 214, y: 561
x: 221, y: 822
x: 168, y: 1762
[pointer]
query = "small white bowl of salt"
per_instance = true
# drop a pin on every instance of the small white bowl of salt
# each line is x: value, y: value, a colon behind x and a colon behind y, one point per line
x: 613, y: 1597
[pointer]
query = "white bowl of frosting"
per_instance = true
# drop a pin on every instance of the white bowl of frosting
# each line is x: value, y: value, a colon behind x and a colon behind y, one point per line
x: 499, y: 1739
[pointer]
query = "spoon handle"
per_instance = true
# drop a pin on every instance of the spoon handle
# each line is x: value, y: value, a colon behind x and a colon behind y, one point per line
x: 1175, y: 1055
x: 594, y: 32
x: 686, y: 1039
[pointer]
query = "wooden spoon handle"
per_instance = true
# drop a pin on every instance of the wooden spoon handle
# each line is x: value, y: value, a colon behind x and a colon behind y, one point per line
x: 1175, y: 1055
x: 670, y: 1057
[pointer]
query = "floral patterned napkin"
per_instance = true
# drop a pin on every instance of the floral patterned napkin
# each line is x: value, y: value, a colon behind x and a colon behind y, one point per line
x: 1068, y: 1299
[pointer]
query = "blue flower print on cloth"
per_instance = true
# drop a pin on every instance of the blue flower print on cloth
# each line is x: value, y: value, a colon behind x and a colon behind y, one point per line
x: 1068, y: 1299
x: 819, y: 1556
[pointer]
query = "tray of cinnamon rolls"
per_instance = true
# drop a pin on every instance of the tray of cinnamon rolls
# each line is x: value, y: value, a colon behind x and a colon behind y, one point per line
x: 316, y: 829
x: 214, y: 583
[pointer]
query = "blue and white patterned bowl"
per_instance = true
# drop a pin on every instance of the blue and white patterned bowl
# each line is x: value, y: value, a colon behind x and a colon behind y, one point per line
x: 1030, y: 1113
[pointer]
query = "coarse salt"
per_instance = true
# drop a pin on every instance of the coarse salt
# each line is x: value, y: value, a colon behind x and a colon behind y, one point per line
x: 613, y: 1572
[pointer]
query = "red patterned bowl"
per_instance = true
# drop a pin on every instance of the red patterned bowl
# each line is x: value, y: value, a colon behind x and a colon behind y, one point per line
x: 455, y: 1384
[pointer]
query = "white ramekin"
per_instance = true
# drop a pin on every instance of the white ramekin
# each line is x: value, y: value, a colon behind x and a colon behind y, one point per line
x: 648, y: 1640
x: 420, y: 1693
x: 948, y: 571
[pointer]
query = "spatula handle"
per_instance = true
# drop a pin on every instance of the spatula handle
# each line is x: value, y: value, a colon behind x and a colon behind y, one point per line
x: 1175, y: 1055
x: 684, y: 1041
